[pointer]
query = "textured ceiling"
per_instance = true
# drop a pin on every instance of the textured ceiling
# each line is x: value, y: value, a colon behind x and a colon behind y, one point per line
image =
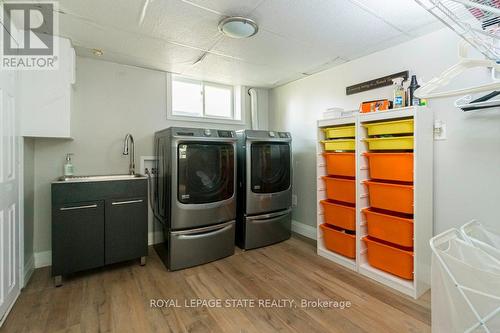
x: 296, y: 38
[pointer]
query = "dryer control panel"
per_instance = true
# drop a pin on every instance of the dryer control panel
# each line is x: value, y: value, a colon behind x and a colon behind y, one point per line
x: 266, y: 135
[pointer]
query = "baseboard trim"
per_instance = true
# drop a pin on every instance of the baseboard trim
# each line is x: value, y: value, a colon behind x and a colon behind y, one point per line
x: 29, y: 268
x: 43, y: 259
x: 2, y: 320
x: 304, y: 229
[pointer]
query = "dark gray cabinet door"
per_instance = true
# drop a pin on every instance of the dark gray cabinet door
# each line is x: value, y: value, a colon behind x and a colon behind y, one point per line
x: 126, y: 231
x: 77, y: 237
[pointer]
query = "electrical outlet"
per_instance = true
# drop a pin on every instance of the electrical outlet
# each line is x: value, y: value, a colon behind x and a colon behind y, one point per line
x: 294, y: 200
x: 439, y: 130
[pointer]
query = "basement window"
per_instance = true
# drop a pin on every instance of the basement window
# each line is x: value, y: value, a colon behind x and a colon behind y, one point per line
x: 195, y: 100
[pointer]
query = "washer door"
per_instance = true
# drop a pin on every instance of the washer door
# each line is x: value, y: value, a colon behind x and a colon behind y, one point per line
x: 205, y: 172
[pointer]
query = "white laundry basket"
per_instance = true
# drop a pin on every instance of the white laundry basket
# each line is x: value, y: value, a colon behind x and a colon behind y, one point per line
x: 465, y: 286
x: 482, y: 237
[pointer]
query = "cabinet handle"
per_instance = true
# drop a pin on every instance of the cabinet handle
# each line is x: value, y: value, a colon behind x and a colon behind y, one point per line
x: 126, y: 202
x: 78, y: 207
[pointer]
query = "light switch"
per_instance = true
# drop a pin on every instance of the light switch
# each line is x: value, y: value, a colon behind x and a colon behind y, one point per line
x: 439, y: 130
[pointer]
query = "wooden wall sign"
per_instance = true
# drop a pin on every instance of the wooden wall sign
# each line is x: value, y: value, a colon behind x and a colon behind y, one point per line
x: 377, y: 83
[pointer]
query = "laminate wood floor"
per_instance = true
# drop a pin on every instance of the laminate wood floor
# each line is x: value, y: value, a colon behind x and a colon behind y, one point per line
x: 117, y: 298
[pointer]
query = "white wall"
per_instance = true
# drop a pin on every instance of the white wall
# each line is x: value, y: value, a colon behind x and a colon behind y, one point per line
x: 109, y: 101
x: 467, y: 165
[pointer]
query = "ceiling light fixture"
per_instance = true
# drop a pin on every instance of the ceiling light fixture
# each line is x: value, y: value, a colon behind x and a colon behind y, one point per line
x: 238, y: 27
x: 97, y: 52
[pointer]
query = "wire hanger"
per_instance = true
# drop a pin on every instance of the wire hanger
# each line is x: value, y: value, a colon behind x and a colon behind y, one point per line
x: 466, y: 103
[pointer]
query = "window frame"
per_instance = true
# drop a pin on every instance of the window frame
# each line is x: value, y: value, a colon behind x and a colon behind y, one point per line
x: 237, y: 106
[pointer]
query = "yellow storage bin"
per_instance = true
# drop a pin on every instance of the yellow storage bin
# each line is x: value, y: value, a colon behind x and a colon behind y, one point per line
x: 340, y: 132
x: 391, y: 143
x: 390, y: 127
x: 332, y: 145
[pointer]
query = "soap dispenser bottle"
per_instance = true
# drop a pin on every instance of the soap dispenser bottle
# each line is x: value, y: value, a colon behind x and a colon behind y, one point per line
x: 68, y: 166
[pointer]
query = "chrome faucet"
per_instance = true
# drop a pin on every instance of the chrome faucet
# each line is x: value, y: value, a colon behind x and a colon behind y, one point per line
x: 131, y: 166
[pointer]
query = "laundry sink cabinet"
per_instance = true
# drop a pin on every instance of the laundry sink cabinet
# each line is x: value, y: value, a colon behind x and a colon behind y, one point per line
x: 97, y: 223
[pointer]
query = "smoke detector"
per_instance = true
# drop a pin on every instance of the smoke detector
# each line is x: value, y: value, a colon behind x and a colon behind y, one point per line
x: 238, y: 27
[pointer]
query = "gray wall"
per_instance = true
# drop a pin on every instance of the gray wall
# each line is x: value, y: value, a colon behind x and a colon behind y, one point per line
x: 466, y: 165
x: 29, y: 197
x: 109, y: 101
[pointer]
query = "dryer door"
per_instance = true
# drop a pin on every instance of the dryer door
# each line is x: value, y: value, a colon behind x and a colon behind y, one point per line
x: 270, y: 171
x: 269, y: 177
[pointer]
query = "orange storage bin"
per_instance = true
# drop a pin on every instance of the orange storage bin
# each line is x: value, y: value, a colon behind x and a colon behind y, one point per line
x: 339, y: 215
x: 340, y: 189
x: 391, y: 228
x: 340, y: 164
x: 393, y: 197
x: 390, y: 259
x: 337, y: 240
x: 391, y: 166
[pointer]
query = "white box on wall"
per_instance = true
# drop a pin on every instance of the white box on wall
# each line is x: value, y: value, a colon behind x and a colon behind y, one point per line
x: 45, y: 97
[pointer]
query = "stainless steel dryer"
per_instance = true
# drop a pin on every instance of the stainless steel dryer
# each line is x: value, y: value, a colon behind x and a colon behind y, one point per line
x: 195, y: 195
x: 264, y: 188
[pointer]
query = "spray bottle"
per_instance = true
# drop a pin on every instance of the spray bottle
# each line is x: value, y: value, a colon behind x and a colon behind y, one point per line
x: 399, y: 93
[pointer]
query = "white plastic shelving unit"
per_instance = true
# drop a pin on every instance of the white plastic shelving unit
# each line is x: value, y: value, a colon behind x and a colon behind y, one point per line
x: 423, y: 210
x: 321, y: 190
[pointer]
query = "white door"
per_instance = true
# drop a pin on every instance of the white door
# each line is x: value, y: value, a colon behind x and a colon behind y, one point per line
x: 9, y: 198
